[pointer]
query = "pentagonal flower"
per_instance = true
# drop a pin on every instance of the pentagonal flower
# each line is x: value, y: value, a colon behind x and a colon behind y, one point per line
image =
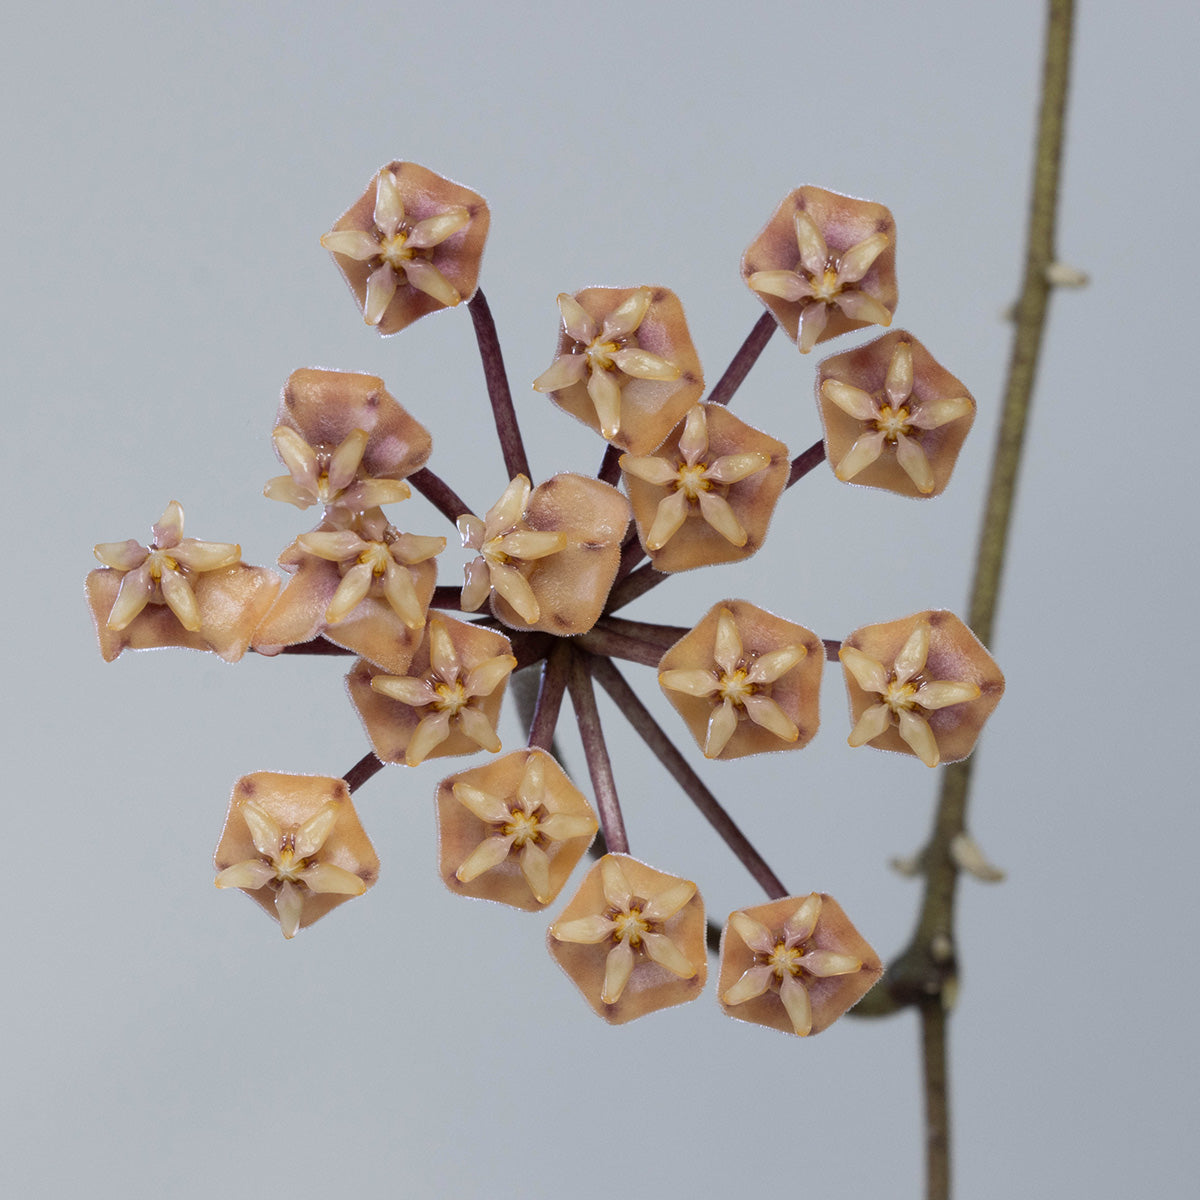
x: 345, y: 441
x: 625, y: 364
x: 706, y: 495
x: 449, y: 701
x: 632, y: 939
x: 177, y: 592
x: 824, y: 264
x: 923, y: 685
x: 547, y: 555
x: 295, y: 845
x: 745, y: 681
x: 894, y: 418
x: 795, y: 964
x: 409, y: 245
x: 512, y: 830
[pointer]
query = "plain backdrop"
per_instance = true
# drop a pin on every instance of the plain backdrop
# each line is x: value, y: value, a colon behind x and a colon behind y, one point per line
x: 168, y: 171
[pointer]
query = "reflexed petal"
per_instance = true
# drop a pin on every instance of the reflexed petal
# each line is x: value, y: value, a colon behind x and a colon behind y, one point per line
x: 693, y: 441
x: 478, y: 728
x: 381, y: 287
x: 753, y: 982
x: 533, y: 782
x: 181, y: 600
x: 773, y: 665
x: 575, y: 320
x: 434, y: 230
x: 285, y: 488
x: 933, y: 414
x: 605, y: 394
x: 615, y: 885
x: 915, y: 462
x: 754, y: 933
x: 787, y: 285
x: 136, y: 589
x: 919, y: 737
x: 795, y: 999
x: 814, y: 253
x: 472, y: 531
x: 121, y: 556
x: 264, y: 830
x: 671, y: 513
x: 662, y: 906
x: 641, y: 364
x: 627, y: 316
x: 168, y: 529
x: 899, y: 383
x: 653, y: 470
x: 800, y: 925
x: 425, y: 277
x: 560, y: 827
x: 941, y: 693
x: 371, y: 493
x: 484, y: 805
x: 432, y: 731
x: 514, y: 587
x: 813, y: 318
x: 727, y: 644
x: 858, y: 306
x: 443, y: 657
x: 852, y: 401
x: 206, y: 556
x: 491, y: 852
x: 854, y: 263
x: 869, y: 674
x: 289, y: 903
x: 870, y: 725
x: 763, y: 711
x: 617, y: 969
x: 825, y: 963
x: 484, y: 678
x: 862, y: 454
x: 297, y: 455
x: 721, y: 726
x: 357, y: 244
x: 313, y: 834
x: 510, y: 508
x: 663, y: 951
x: 716, y: 511
x: 535, y: 866
x: 402, y: 596
x: 251, y: 874
x: 529, y: 544
x: 356, y: 583
x: 413, y: 548
x: 329, y: 879
x: 333, y: 545
x: 695, y: 682
x: 477, y: 586
x: 346, y: 459
x: 733, y: 468
x: 389, y: 207
x: 416, y: 693
x: 912, y: 654
x: 586, y: 931
x: 565, y: 370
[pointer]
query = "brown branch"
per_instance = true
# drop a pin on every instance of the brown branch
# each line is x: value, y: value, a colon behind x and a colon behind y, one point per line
x: 509, y: 432
x: 362, y: 770
x: 550, y: 697
x: 583, y: 697
x: 743, y: 360
x: 805, y: 462
x: 440, y: 494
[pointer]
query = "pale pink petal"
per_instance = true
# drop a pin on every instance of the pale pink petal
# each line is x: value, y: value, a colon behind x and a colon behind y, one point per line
x: 733, y: 468
x: 870, y: 725
x: 814, y: 253
x: 653, y: 470
x: 371, y: 493
x: 671, y: 513
x: 168, y: 529
x: 357, y: 244
x: 795, y: 999
x: 662, y: 906
x: 251, y: 875
x: 787, y: 285
x: 432, y: 731
x: 576, y: 322
x: 605, y: 394
x: 754, y: 982
x: 389, y: 207
x: 264, y: 830
x: 773, y: 665
x: 663, y: 951
x: 854, y: 263
x: 472, y: 531
x: 510, y: 508
x: 488, y: 808
x: 535, y: 866
x: 206, y: 556
x: 617, y: 969
x: 586, y: 931
x: 695, y: 682
x: 425, y: 277
x: 297, y: 455
x: 763, y: 711
x: 477, y: 586
x: 727, y: 643
x: 915, y: 462
x: 181, y: 600
x: 475, y: 725
x: 717, y: 513
x: 721, y: 726
x: 869, y: 674
x: 861, y: 455
x: 121, y: 556
x: 912, y: 654
x: 443, y: 657
x: 858, y: 306
x: 416, y: 693
x: 289, y: 903
x: 919, y: 737
x: 312, y: 835
x: 941, y: 693
x: 627, y: 316
x: 346, y: 459
x: 355, y: 585
x: 136, y: 589
x: 285, y: 488
x: 530, y: 544
x: 333, y: 545
x: 641, y: 364
x: 533, y: 782
x: 617, y: 891
x: 413, y: 548
x: 693, y: 441
x: 514, y: 587
x: 813, y: 319
x: 485, y: 677
x: 560, y: 827
x: 436, y: 229
x: 825, y: 964
x: 754, y: 933
x: 852, y: 401
x: 800, y: 925
x: 491, y: 852
x: 933, y: 414
x: 565, y: 370
x: 899, y: 383
x: 333, y: 880
x: 381, y: 287
x: 402, y: 595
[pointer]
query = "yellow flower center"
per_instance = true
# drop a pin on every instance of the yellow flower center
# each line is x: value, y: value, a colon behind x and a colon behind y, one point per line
x: 287, y: 865
x: 630, y: 926
x: 600, y: 353
x: 376, y: 556
x: 735, y: 687
x: 160, y: 561
x: 900, y: 696
x: 451, y: 698
x: 893, y: 422
x: 785, y: 960
x: 522, y: 827
x: 827, y: 286
x: 691, y: 481
x: 394, y: 251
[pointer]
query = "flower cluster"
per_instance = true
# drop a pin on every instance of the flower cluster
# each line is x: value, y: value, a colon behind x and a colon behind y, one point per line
x: 552, y: 563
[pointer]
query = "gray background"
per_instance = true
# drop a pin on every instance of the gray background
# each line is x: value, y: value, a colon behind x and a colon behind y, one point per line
x: 169, y: 169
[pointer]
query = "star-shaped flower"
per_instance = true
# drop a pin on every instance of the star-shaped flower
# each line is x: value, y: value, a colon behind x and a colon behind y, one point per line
x: 906, y: 687
x: 639, y: 920
x: 735, y: 691
x: 410, y: 245
x: 891, y: 407
x: 329, y: 477
x: 825, y: 264
x: 513, y: 830
x: 795, y: 964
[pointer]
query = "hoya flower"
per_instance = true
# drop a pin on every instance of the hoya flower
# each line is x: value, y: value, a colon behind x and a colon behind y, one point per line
x: 632, y: 939
x: 512, y: 830
x: 706, y: 495
x: 923, y: 685
x: 745, y: 681
x: 410, y: 245
x: 795, y: 964
x: 449, y: 701
x: 894, y: 418
x: 177, y: 592
x: 625, y: 364
x: 825, y: 264
x: 295, y: 845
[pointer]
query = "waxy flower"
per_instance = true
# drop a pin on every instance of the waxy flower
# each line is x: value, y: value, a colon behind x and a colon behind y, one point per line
x: 894, y: 418
x: 626, y: 365
x: 449, y: 701
x: 825, y: 264
x: 923, y: 685
x: 745, y: 681
x: 632, y: 939
x: 512, y: 830
x: 707, y: 493
x: 177, y: 592
x: 795, y: 964
x: 411, y: 244
x: 295, y: 845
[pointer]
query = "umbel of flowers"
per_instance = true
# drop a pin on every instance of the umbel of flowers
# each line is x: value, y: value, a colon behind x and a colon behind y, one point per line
x: 547, y: 568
